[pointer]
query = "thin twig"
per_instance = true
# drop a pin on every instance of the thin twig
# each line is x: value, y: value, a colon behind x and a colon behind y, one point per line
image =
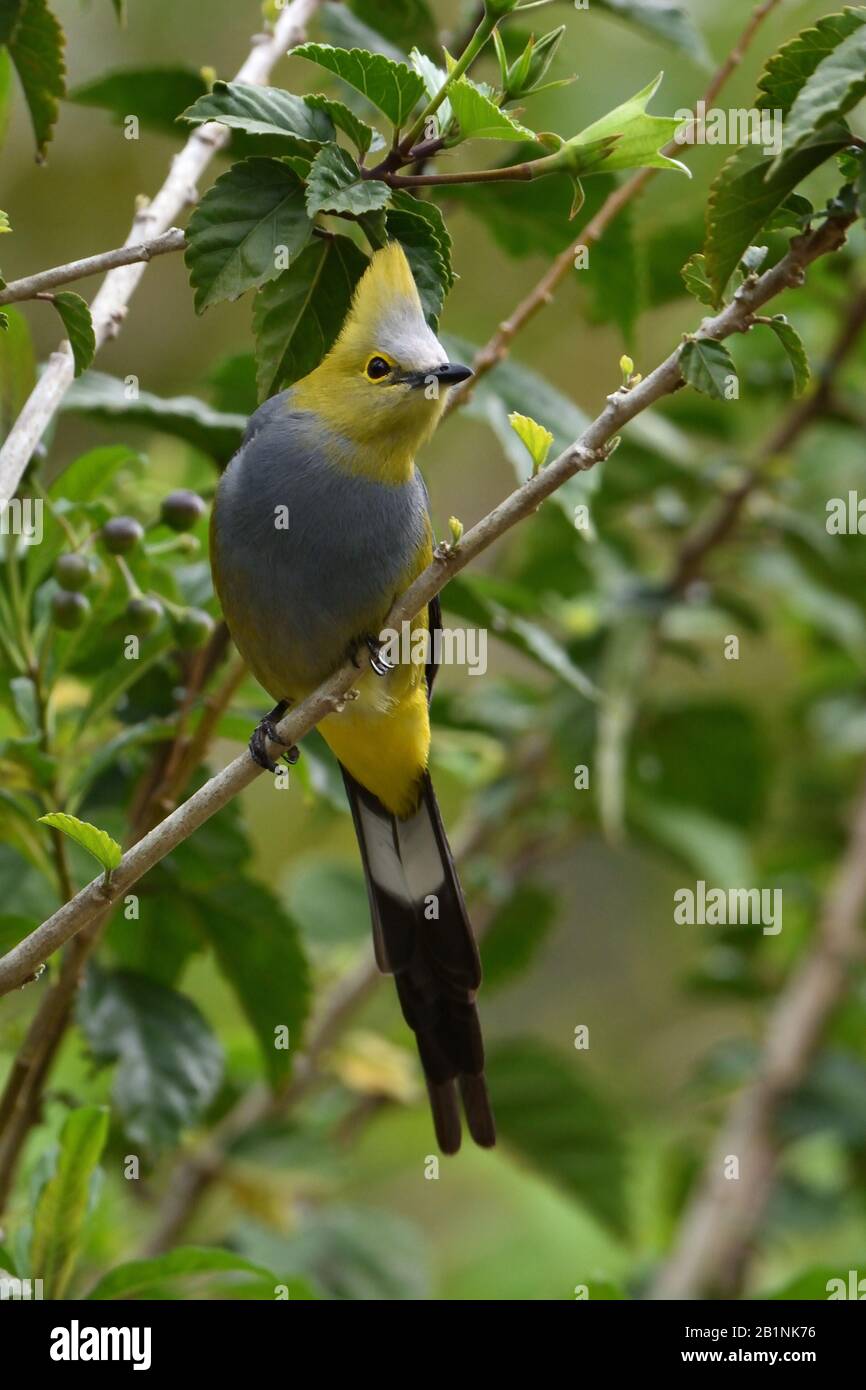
x: 32, y: 286
x: 110, y: 305
x: 592, y: 446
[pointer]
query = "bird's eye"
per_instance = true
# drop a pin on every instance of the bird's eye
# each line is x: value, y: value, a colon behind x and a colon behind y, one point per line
x: 377, y: 368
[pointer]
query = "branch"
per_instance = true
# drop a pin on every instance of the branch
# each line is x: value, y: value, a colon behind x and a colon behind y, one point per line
x: 32, y: 285
x: 110, y: 305
x: 592, y: 446
x: 542, y: 293
x: 720, y: 1223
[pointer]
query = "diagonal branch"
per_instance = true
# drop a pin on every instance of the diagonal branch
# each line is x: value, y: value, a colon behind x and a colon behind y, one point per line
x: 32, y: 285
x: 110, y: 305
x: 594, y: 444
x: 720, y: 1223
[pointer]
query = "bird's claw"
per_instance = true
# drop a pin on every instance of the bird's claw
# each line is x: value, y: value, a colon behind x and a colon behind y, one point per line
x: 378, y: 662
x: 264, y: 733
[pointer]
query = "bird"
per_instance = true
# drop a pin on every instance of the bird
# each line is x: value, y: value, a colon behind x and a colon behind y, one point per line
x: 320, y: 521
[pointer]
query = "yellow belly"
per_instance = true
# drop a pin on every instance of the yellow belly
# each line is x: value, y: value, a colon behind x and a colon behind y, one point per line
x: 384, y: 746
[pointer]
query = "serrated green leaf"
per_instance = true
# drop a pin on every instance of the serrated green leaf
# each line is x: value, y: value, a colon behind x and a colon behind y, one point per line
x: 790, y: 68
x: 548, y: 1113
x: 4, y: 223
x: 409, y: 22
x: 335, y: 184
x: 517, y: 930
x: 75, y: 314
x: 36, y: 42
x: 707, y: 365
x: 695, y: 279
x: 362, y: 135
x: 794, y: 212
x: 536, y: 438
x: 417, y: 235
x: 393, y: 88
x: 626, y: 138
x: 138, y: 1278
x: 61, y: 1210
x: 260, y: 954
x: 433, y: 77
x: 836, y: 85
x: 742, y: 198
x: 407, y: 202
x: 157, y: 96
x: 479, y: 118
x: 794, y: 349
x: 297, y: 317
x: 169, y: 1061
x: 233, y: 235
x: 104, y: 397
x: 97, y: 842
x: 668, y: 20
x: 262, y: 111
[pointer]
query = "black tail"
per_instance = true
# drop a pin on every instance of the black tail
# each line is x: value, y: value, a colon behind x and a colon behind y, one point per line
x: 423, y: 938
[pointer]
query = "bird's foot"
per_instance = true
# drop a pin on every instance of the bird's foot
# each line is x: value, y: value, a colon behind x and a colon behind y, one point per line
x: 264, y: 733
x: 380, y: 664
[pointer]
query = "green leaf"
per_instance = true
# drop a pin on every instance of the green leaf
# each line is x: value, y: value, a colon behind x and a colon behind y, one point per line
x: 789, y: 69
x: 140, y: 1278
x: 233, y: 235
x: 103, y: 397
x: 329, y: 901
x: 262, y: 111
x: 75, y: 314
x: 17, y: 369
x: 297, y: 317
x: 695, y: 280
x: 97, y: 842
x: 5, y: 92
x: 794, y: 349
x: 36, y: 42
x: 433, y: 77
x: 516, y: 933
x: 836, y: 85
x: 418, y: 234
x: 626, y: 138
x: 61, y: 1210
x: 91, y: 472
x: 335, y: 184
x: 390, y: 86
x: 169, y: 1061
x: 156, y: 96
x: 362, y: 135
x: 480, y: 118
x: 743, y: 198
x: 536, y: 438
x: 412, y: 21
x: 548, y: 1114
x: 664, y: 19
x: 707, y: 366
x: 260, y: 955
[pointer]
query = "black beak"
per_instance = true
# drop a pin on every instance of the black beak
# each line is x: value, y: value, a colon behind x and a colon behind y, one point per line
x: 449, y: 374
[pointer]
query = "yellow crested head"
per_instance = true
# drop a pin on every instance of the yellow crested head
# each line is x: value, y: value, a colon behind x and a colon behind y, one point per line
x: 380, y: 386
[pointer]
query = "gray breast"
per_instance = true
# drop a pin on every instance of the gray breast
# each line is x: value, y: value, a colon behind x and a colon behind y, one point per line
x: 294, y: 598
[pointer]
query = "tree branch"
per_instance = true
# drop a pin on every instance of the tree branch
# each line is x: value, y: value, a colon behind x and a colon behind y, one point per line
x: 32, y: 285
x: 592, y: 446
x: 110, y: 305
x: 720, y: 1223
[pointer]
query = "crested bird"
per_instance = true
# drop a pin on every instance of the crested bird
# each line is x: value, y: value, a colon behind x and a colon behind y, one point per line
x: 335, y: 455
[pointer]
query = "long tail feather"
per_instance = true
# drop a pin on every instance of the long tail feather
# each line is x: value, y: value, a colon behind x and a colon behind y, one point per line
x: 423, y: 938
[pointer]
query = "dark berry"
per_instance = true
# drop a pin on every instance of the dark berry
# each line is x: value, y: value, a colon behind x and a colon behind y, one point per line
x: 72, y: 572
x: 182, y: 509
x: 142, y: 615
x: 70, y: 610
x: 121, y: 534
x: 192, y: 628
